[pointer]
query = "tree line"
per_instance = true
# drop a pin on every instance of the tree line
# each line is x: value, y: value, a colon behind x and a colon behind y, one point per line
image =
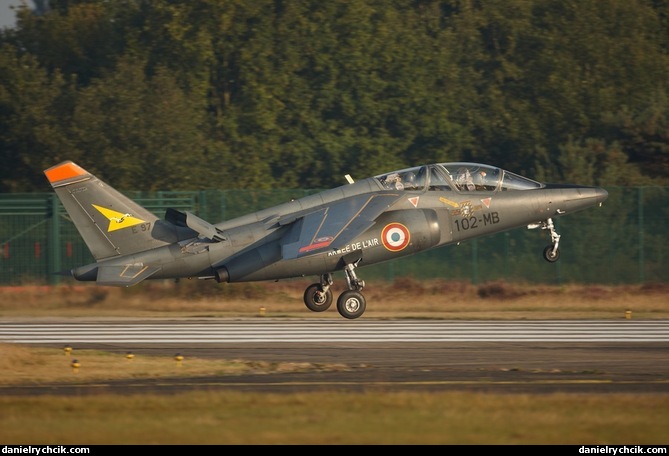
x: 224, y: 94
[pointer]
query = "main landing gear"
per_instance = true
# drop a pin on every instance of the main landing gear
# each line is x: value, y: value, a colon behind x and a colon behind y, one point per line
x: 351, y: 303
x: 551, y: 252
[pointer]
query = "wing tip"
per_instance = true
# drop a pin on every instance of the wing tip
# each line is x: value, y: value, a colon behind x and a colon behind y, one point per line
x: 64, y: 171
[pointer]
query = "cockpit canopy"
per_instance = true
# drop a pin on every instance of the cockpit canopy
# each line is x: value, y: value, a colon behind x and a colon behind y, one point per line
x: 460, y: 176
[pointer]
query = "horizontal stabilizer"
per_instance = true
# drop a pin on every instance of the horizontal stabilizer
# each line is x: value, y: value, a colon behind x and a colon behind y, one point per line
x: 65, y: 272
x: 125, y: 275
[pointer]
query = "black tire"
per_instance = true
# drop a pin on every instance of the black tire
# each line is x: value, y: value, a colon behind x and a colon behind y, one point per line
x: 351, y: 304
x: 551, y: 256
x: 315, y: 299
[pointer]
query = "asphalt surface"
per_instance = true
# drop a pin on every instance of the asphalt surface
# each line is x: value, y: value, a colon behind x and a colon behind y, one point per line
x: 495, y: 357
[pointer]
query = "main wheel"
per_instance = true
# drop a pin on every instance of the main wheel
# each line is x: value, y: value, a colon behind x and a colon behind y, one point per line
x: 351, y: 304
x: 316, y: 299
x: 550, y: 255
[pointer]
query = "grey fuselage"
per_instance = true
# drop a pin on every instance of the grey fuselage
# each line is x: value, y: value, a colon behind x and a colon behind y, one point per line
x: 266, y: 245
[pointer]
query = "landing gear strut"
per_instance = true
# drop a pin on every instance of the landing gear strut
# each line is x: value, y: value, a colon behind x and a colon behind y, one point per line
x: 551, y: 252
x: 351, y: 303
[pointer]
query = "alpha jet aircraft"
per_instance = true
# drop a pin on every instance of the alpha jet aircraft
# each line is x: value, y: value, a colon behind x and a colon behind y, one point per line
x: 364, y: 222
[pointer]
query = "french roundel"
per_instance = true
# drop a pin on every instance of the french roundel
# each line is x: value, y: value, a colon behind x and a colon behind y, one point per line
x: 395, y: 237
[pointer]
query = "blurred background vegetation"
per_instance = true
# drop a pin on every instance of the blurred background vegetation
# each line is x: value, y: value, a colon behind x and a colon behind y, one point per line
x: 236, y: 94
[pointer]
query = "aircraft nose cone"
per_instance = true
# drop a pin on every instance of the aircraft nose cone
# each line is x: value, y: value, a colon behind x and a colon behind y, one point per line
x: 601, y: 195
x: 589, y: 196
x: 575, y: 198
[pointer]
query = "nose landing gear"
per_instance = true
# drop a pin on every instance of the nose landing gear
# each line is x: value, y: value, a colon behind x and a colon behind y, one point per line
x: 551, y: 252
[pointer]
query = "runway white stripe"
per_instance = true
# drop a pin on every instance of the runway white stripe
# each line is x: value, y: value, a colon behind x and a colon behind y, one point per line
x: 269, y: 331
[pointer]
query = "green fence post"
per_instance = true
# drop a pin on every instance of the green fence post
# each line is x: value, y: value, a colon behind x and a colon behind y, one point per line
x: 641, y: 249
x: 507, y: 237
x: 475, y: 263
x: 203, y: 207
x: 55, y: 252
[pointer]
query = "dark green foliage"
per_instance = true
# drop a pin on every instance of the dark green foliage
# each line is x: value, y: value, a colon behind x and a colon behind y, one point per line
x: 263, y: 94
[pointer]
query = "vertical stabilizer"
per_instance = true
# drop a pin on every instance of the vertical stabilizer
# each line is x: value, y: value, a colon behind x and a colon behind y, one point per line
x: 110, y: 223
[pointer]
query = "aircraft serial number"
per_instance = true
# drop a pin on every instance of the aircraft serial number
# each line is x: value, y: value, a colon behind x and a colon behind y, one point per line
x: 474, y: 222
x: 142, y: 227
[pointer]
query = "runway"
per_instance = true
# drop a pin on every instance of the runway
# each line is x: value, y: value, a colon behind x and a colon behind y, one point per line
x: 308, y: 331
x: 534, y: 357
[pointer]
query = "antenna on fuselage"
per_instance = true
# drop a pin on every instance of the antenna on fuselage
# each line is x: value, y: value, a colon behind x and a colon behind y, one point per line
x: 349, y: 178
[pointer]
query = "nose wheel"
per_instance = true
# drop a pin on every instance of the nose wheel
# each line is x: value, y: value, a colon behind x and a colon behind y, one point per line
x: 551, y: 254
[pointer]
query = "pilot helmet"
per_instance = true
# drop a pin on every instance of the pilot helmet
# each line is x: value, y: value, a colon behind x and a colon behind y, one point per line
x: 463, y: 175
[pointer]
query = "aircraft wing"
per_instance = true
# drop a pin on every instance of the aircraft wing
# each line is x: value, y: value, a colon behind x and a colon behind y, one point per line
x: 333, y: 226
x: 195, y: 223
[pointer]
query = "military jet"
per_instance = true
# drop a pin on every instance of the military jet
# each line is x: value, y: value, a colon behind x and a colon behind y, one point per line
x: 364, y: 222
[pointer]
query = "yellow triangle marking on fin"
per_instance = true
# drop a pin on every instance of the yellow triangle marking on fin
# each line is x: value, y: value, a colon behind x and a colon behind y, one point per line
x: 118, y: 220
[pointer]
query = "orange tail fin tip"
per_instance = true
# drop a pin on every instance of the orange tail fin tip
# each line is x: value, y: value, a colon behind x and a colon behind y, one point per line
x: 65, y: 170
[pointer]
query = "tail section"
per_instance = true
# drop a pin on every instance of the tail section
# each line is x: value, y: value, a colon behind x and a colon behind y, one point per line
x: 110, y: 223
